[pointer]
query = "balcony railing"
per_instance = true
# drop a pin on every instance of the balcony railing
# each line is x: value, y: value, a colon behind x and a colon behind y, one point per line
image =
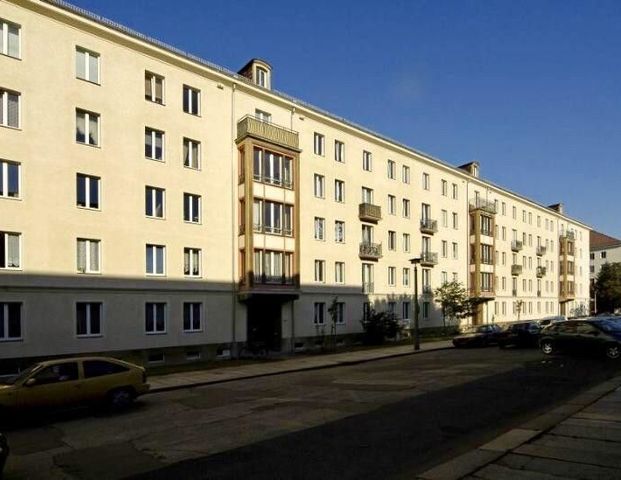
x: 280, y: 182
x: 481, y: 204
x: 251, y: 126
x: 367, y: 287
x: 487, y: 232
x: 569, y: 235
x: 516, y: 269
x: 485, y: 292
x: 541, y: 250
x: 264, y: 279
x: 369, y: 212
x: 370, y: 251
x: 428, y: 258
x: 272, y: 230
x: 428, y: 225
x: 541, y: 271
x: 517, y: 245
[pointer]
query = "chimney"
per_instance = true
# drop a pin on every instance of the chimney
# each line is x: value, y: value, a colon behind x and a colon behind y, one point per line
x: 472, y: 168
x: 557, y: 207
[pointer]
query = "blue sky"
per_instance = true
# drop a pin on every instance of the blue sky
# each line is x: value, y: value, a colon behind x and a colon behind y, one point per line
x: 530, y: 89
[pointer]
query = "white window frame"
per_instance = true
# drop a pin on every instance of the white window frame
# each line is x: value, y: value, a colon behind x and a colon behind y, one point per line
x: 5, y: 316
x: 426, y: 181
x: 406, y: 277
x: 320, y: 271
x: 367, y: 161
x: 89, y: 327
x: 4, y: 31
x: 391, y: 169
x: 340, y: 313
x: 4, y: 237
x: 87, y: 71
x: 153, y: 305
x: 187, y: 91
x: 153, y: 79
x: 339, y: 231
x: 189, y: 144
x: 339, y: 151
x: 339, y: 272
x: 4, y: 114
x: 154, y: 191
x: 87, y: 127
x: 155, y: 248
x: 4, y: 179
x: 190, y: 251
x: 193, y: 328
x: 319, y: 186
x: 392, y: 204
x: 87, y: 191
x: 188, y: 201
x: 319, y: 315
x: 405, y: 174
x: 320, y: 228
x: 88, y: 260
x: 153, y: 133
x: 406, y: 243
x: 339, y: 191
x: 319, y: 144
x: 405, y: 208
x: 392, y: 274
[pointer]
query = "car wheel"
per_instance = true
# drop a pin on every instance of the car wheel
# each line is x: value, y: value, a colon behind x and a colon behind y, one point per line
x: 547, y: 347
x: 120, y: 398
x: 613, y: 351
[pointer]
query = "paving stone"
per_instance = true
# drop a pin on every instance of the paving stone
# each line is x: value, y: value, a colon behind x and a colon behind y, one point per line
x: 500, y: 472
x: 577, y: 471
x: 581, y: 444
x: 510, y: 440
x: 460, y: 466
x: 571, y: 455
x: 598, y: 416
x: 545, y: 422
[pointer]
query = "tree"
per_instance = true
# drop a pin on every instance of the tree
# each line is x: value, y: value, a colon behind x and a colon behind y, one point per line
x: 608, y: 287
x: 519, y: 306
x: 378, y: 326
x: 333, y: 311
x: 454, y: 300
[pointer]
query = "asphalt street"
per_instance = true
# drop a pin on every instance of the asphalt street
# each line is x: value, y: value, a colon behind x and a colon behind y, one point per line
x: 389, y: 418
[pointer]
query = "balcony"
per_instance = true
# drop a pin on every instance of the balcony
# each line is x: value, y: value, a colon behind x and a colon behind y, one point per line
x: 428, y: 259
x: 367, y: 287
x: 249, y: 126
x: 263, y: 279
x: 516, y: 269
x: 484, y: 205
x: 428, y: 226
x: 541, y: 271
x: 427, y: 290
x: 368, y: 212
x: 517, y: 245
x: 566, y: 296
x: 569, y: 235
x: 541, y: 250
x: 370, y: 251
x: 482, y: 293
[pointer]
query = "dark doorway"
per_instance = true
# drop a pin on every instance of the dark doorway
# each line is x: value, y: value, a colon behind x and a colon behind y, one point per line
x: 265, y: 324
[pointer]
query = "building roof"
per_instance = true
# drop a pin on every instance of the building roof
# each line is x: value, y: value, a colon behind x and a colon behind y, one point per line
x: 600, y: 241
x: 67, y: 6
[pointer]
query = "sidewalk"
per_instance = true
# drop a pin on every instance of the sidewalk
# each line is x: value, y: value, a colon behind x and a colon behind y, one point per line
x: 173, y: 381
x: 578, y: 440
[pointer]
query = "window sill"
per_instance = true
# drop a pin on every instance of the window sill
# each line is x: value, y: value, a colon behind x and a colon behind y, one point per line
x: 15, y: 199
x: 11, y: 269
x: 192, y: 223
x: 11, y: 127
x: 159, y: 160
x: 156, y: 275
x: 193, y: 277
x: 98, y: 335
x: 193, y: 331
x: 88, y: 81
x: 154, y: 102
x: 156, y: 333
x: 8, y: 340
x: 10, y: 56
x: 197, y: 115
x: 196, y: 169
x: 88, y: 273
x: 88, y: 208
x: 155, y: 218
x: 88, y: 144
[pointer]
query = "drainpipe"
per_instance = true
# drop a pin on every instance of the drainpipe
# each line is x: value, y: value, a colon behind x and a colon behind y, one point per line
x: 234, y: 249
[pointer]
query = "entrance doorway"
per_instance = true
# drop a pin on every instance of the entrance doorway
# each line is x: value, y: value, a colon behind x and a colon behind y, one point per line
x: 264, y: 324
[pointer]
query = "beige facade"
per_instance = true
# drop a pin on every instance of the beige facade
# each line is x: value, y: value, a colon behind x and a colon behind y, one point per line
x: 141, y: 172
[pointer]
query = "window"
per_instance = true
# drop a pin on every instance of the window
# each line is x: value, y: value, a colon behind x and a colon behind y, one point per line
x: 367, y: 161
x: 155, y: 318
x: 444, y: 188
x: 155, y: 259
x: 10, y: 321
x: 262, y: 77
x: 392, y: 273
x: 455, y: 191
x: 392, y: 240
x: 339, y: 151
x: 9, y: 39
x: 154, y: 202
x: 153, y: 88
x: 191, y: 100
x: 367, y: 195
x: 273, y: 168
x: 392, y: 169
x: 406, y: 208
x: 88, y: 256
x: 9, y: 108
x: 392, y: 205
x: 153, y: 144
x: 339, y: 231
x: 192, y: 262
x: 406, y: 277
x: 191, y: 153
x: 444, y: 277
x: 99, y: 368
x: 320, y: 269
x: 455, y: 250
x: 87, y: 191
x: 426, y: 306
x: 320, y: 227
x: 406, y: 242
x: 87, y: 127
x: 60, y: 372
x: 444, y: 248
x: 367, y: 278
x: 192, y: 316
x: 10, y: 250
x: 445, y: 218
x: 405, y: 174
x: 339, y: 191
x: 87, y: 65
x: 339, y: 313
x: 339, y: 272
x: 455, y: 223
x: 319, y: 182
x: 405, y: 310
x: 191, y: 208
x: 425, y: 181
x: 262, y: 116
x: 88, y: 319
x: 320, y: 311
x: 319, y: 144
x: 602, y: 255
x: 9, y: 179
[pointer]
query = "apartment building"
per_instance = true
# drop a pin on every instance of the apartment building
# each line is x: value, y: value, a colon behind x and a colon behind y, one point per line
x: 158, y: 207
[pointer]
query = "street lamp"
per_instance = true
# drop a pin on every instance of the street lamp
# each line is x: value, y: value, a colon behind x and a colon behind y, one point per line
x: 416, y: 261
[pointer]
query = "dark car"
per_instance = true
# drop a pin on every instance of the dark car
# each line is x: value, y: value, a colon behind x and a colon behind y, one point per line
x: 602, y: 336
x: 477, y: 336
x: 4, y: 452
x: 520, y: 334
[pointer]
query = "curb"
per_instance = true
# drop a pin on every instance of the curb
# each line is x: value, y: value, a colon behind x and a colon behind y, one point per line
x: 471, y: 462
x: 338, y: 363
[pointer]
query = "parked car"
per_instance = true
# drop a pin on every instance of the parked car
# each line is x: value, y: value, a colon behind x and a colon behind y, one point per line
x: 598, y: 335
x: 552, y: 320
x: 477, y: 336
x: 71, y: 381
x: 520, y: 334
x: 4, y: 452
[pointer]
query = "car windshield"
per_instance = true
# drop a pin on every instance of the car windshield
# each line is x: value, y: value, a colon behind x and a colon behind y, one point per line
x: 609, y: 325
x: 475, y: 329
x: 12, y: 380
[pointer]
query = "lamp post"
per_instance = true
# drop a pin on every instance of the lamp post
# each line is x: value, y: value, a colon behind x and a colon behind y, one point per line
x: 416, y: 261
